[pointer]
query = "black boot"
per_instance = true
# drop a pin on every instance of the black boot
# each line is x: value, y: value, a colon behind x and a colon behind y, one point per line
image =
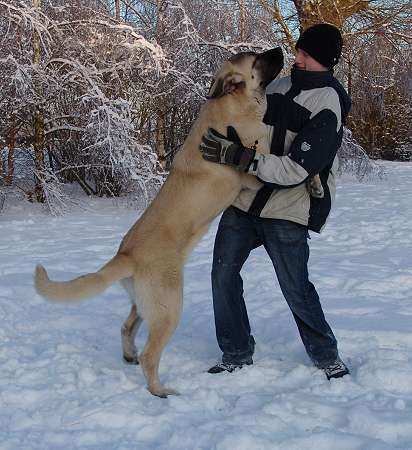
x: 229, y: 367
x: 337, y: 369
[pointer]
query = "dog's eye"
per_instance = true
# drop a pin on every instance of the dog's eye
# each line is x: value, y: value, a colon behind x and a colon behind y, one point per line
x: 253, y: 77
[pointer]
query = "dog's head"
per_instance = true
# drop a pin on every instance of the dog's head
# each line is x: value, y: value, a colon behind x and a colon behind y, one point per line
x: 247, y: 71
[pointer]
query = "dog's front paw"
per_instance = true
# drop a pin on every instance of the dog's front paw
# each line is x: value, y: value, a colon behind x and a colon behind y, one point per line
x: 161, y: 391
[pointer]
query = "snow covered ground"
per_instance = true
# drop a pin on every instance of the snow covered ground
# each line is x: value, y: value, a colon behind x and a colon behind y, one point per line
x: 63, y: 384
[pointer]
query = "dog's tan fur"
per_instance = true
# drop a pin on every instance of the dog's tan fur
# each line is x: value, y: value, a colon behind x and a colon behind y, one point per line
x: 149, y: 262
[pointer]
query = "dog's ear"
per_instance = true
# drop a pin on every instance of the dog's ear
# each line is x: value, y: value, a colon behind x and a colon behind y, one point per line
x: 225, y: 85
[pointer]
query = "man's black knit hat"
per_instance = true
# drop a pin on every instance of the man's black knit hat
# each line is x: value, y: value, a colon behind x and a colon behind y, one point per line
x: 322, y: 42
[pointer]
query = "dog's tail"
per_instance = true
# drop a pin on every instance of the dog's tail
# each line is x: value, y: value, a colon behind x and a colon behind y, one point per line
x: 121, y: 266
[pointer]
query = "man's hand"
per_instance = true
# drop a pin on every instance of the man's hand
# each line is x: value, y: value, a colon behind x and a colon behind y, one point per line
x: 226, y: 150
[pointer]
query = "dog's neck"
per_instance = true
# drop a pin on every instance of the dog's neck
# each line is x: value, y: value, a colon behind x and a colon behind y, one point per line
x: 245, y: 116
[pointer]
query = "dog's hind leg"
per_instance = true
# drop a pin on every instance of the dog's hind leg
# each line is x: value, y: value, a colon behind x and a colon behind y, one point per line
x: 128, y: 332
x: 130, y: 326
x: 162, y: 324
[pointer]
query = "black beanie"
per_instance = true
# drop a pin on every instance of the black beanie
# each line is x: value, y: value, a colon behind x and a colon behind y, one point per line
x: 322, y: 42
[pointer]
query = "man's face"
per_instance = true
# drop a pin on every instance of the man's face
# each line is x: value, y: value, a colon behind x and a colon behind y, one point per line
x: 303, y: 61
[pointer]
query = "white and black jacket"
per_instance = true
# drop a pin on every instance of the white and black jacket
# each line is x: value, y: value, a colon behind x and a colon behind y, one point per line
x: 305, y: 115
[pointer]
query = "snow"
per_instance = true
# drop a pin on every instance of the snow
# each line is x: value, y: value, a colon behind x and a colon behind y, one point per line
x: 63, y: 384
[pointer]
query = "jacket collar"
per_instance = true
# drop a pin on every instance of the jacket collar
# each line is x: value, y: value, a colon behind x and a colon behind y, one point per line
x: 305, y: 80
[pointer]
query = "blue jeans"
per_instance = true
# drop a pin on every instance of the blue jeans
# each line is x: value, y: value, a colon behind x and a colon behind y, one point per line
x: 286, y: 244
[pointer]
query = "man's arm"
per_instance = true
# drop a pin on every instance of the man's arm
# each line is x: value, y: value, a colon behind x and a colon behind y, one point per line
x: 313, y: 148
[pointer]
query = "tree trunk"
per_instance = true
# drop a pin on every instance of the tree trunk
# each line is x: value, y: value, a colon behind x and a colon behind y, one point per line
x: 38, y: 121
x: 161, y: 114
x: 1, y: 165
x: 275, y: 10
x: 11, y: 144
x: 117, y: 5
x: 242, y: 20
x: 160, y: 138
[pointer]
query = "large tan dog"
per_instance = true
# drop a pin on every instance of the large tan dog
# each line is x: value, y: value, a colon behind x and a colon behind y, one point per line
x: 149, y: 262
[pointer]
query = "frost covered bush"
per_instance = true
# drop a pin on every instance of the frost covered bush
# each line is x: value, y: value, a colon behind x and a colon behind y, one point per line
x: 56, y: 200
x: 354, y: 161
x: 79, y: 101
x: 105, y: 98
x: 403, y: 152
x: 381, y: 85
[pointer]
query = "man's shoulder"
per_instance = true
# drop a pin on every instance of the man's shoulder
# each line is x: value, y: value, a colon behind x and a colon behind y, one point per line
x: 317, y: 99
x: 279, y: 86
x: 326, y: 94
x: 343, y: 95
x: 337, y: 85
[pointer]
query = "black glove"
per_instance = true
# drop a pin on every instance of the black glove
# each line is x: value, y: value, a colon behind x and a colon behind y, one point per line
x: 226, y: 150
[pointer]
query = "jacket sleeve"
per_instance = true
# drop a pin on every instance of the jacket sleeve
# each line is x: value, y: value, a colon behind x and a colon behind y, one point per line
x: 313, y: 148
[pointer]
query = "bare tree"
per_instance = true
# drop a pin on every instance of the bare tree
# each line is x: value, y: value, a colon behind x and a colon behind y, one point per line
x: 68, y: 97
x: 335, y: 12
x: 92, y: 88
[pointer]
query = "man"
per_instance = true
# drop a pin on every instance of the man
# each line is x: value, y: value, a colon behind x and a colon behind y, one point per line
x: 305, y: 115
